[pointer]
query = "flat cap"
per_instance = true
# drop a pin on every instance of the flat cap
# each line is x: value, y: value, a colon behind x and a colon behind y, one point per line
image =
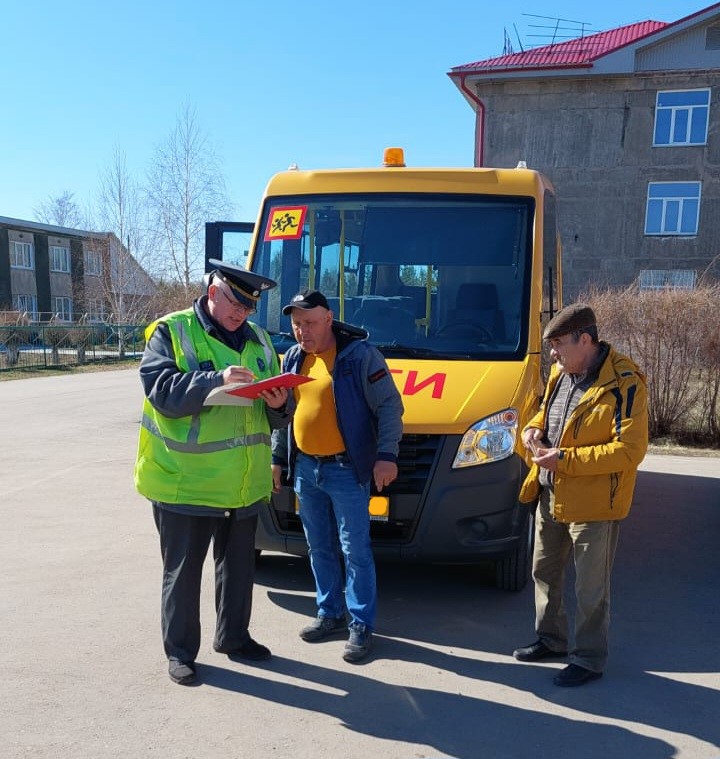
x: 574, y: 318
x: 246, y: 286
x: 306, y: 299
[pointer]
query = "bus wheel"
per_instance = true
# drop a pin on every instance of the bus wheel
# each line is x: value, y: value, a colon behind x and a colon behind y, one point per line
x: 513, y: 571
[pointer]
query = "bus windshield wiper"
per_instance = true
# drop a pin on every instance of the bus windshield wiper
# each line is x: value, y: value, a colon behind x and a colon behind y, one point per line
x: 415, y: 352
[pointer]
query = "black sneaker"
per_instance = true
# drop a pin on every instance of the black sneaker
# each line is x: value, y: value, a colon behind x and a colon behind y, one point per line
x: 181, y: 672
x: 250, y: 651
x: 323, y: 627
x: 358, y: 645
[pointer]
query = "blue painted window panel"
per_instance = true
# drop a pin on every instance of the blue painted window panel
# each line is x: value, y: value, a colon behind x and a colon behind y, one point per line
x: 663, y: 121
x: 683, y: 98
x: 698, y: 126
x: 680, y: 127
x: 688, y: 222
x: 681, y: 117
x: 672, y: 208
x: 672, y: 212
x: 653, y: 221
x: 674, y: 190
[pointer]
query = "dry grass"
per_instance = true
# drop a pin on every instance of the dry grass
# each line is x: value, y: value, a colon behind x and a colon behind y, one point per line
x: 666, y: 448
x: 54, y: 371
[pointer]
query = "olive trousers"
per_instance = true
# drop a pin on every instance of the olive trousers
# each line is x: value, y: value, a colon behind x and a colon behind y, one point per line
x: 592, y: 546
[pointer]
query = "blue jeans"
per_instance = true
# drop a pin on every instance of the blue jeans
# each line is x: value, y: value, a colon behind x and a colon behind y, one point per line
x: 335, y: 517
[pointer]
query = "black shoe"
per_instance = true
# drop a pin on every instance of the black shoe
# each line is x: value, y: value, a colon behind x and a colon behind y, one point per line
x: 181, y: 672
x: 250, y: 651
x: 536, y: 652
x: 358, y: 645
x: 574, y: 675
x: 323, y: 627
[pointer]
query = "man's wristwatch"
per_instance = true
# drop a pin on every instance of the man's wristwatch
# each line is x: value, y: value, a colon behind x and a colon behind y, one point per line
x: 561, y: 454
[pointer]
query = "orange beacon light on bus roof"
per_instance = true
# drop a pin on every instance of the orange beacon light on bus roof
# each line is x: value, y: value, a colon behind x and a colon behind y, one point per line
x: 393, y: 157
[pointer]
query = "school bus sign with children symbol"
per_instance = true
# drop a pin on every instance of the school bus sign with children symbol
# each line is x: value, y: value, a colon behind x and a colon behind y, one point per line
x: 285, y: 223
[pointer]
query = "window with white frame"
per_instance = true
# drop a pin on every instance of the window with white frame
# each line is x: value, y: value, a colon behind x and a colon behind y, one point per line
x: 673, y: 208
x: 95, y: 309
x: 59, y: 258
x: 25, y: 304
x: 63, y: 309
x: 681, y: 117
x: 93, y: 263
x: 22, y: 255
x: 667, y: 279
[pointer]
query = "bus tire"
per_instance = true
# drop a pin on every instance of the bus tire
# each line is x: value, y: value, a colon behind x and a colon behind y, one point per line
x: 513, y: 571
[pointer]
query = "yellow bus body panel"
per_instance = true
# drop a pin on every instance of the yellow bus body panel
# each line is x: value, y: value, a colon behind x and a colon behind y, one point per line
x: 448, y: 397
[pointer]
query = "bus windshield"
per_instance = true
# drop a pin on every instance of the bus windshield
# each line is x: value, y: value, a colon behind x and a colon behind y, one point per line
x: 435, y: 276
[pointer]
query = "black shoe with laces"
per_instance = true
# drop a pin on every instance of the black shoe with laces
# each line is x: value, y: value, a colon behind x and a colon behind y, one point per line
x: 536, y: 652
x: 574, y: 675
x: 251, y: 650
x: 182, y: 673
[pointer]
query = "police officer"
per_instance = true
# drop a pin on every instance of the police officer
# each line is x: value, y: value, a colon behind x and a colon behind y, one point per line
x: 206, y: 468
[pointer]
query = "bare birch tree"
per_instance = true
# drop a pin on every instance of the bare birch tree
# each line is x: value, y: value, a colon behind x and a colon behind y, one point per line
x: 121, y: 215
x: 60, y: 210
x: 186, y: 188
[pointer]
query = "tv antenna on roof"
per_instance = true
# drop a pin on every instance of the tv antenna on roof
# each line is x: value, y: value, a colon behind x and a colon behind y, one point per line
x: 556, y: 30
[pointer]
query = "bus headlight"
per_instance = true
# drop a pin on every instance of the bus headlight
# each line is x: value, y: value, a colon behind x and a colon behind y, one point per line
x: 490, y: 439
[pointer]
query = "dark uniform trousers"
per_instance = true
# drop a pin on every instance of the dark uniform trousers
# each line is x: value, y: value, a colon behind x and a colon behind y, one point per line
x: 184, y: 543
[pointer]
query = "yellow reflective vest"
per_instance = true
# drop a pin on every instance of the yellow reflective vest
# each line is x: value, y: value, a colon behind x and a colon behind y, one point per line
x: 219, y: 457
x: 603, y: 442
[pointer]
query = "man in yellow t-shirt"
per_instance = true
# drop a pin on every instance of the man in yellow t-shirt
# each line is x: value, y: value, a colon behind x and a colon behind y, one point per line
x: 345, y: 434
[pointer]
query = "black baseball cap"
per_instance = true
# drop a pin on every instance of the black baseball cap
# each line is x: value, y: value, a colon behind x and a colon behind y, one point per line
x: 246, y: 286
x: 306, y: 299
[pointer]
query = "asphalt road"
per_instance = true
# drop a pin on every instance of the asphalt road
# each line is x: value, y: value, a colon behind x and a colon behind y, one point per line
x: 83, y: 673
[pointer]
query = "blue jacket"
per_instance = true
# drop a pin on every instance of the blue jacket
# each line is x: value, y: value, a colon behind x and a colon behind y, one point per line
x: 367, y: 403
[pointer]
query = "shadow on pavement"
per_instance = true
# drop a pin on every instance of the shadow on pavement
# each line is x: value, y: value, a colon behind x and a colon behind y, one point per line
x: 665, y: 620
x: 458, y: 725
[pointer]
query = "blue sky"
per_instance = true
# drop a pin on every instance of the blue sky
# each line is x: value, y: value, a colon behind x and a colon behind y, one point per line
x: 316, y: 83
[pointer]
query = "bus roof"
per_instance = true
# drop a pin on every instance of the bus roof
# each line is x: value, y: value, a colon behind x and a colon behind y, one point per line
x: 471, y: 181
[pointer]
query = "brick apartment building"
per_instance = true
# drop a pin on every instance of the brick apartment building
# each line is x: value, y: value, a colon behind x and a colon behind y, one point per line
x: 69, y: 275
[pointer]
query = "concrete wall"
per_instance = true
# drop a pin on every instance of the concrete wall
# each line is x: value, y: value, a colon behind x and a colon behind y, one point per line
x: 593, y: 138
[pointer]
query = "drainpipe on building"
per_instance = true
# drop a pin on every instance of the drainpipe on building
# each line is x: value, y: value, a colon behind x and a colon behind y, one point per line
x: 479, y: 121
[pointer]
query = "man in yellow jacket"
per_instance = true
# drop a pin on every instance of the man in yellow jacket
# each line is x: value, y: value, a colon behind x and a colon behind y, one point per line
x: 587, y: 440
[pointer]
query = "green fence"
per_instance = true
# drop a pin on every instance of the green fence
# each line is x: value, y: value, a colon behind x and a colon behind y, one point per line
x: 48, y: 345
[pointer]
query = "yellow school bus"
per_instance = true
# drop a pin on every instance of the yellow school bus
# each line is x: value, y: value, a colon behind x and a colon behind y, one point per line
x: 452, y: 273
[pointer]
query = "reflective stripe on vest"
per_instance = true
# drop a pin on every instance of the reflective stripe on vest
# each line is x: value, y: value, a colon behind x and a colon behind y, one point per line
x: 192, y: 446
x: 219, y: 456
x: 188, y: 348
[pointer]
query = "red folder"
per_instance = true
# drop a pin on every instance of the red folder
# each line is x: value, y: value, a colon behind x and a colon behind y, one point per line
x: 254, y: 389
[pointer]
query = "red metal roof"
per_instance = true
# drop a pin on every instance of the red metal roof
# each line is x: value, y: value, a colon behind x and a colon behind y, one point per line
x: 572, y: 53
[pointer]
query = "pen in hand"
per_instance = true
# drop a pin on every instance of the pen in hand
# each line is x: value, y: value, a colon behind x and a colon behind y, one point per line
x: 237, y: 374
